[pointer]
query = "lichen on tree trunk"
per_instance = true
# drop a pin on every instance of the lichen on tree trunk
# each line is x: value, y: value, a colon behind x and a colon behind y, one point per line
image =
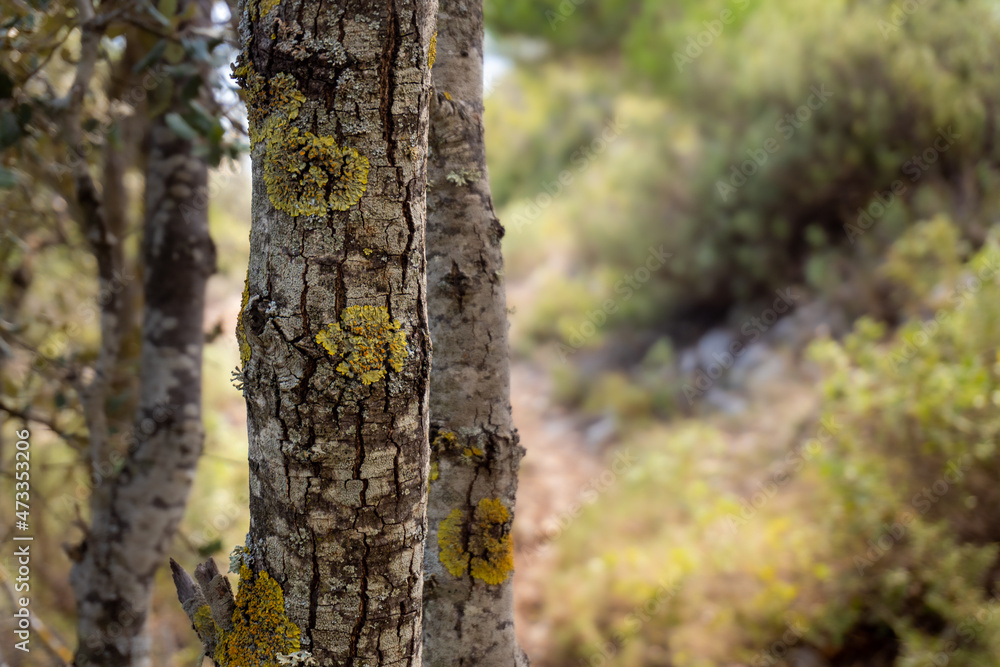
x: 334, y: 329
x: 468, y: 606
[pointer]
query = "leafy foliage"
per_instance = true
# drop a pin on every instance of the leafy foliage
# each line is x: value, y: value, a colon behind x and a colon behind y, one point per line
x: 78, y: 96
x: 581, y: 25
x: 783, y: 155
x: 870, y: 522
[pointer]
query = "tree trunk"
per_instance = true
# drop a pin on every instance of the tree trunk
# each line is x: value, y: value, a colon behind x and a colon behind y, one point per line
x: 136, y: 513
x: 468, y: 605
x: 333, y: 334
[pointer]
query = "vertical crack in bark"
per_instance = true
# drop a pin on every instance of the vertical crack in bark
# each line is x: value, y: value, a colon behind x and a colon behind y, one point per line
x: 387, y: 89
x: 362, y: 605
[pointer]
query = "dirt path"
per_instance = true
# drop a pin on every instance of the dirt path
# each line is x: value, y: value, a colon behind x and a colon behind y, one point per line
x: 554, y: 472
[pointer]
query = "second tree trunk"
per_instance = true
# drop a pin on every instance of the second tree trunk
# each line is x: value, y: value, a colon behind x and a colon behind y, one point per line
x: 468, y: 603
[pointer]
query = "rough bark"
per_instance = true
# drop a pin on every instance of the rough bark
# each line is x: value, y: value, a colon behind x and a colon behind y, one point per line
x: 468, y: 604
x: 136, y: 513
x: 337, y: 95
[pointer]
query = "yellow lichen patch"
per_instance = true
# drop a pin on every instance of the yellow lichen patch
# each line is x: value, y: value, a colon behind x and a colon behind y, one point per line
x: 241, y: 334
x: 432, y: 51
x: 271, y: 104
x: 255, y: 95
x: 264, y: 7
x: 451, y: 548
x: 274, y: 107
x: 444, y: 440
x: 261, y: 628
x: 245, y: 76
x: 205, y: 626
x: 490, y: 554
x: 490, y: 542
x: 447, y: 96
x: 435, y: 471
x: 305, y: 174
x: 366, y: 341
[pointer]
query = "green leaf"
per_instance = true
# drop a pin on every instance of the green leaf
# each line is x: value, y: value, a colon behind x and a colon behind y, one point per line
x: 152, y: 57
x: 192, y: 86
x: 10, y: 129
x: 199, y: 50
x: 174, y: 53
x: 155, y: 13
x: 210, y: 548
x: 203, y: 119
x: 115, y: 136
x: 168, y: 7
x: 160, y: 98
x: 8, y: 178
x: 180, y: 126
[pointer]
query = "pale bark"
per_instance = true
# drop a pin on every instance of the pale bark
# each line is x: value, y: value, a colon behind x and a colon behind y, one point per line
x: 136, y: 513
x: 338, y: 467
x: 468, y: 618
x: 97, y: 227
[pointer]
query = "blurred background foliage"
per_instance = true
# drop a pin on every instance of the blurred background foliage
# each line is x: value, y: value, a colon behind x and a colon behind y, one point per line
x: 847, y: 151
x: 815, y: 478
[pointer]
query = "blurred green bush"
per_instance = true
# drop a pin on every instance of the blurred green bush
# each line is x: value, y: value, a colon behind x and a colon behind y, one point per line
x: 821, y: 147
x: 569, y: 25
x: 869, y: 535
x: 784, y: 153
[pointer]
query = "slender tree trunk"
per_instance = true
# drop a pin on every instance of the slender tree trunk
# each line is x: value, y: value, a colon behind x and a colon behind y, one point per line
x: 468, y: 606
x: 136, y: 513
x: 333, y: 333
x: 99, y: 229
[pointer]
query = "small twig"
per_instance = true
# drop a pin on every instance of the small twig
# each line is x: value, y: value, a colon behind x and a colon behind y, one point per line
x: 46, y: 59
x: 38, y: 419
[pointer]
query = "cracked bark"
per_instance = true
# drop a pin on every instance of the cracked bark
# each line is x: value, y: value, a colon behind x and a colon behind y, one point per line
x: 134, y: 515
x: 338, y: 468
x: 466, y: 621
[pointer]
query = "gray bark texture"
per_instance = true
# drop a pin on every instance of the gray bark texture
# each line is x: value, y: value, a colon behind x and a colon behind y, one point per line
x: 135, y: 514
x: 468, y: 603
x: 337, y: 96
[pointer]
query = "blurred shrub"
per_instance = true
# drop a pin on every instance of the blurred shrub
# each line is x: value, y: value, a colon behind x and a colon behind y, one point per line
x: 923, y: 264
x: 873, y: 540
x: 928, y: 398
x: 781, y: 154
x: 820, y: 148
x: 547, y: 115
x: 577, y: 25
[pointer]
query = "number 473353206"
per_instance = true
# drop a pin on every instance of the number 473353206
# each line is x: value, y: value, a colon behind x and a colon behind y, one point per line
x: 22, y: 475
